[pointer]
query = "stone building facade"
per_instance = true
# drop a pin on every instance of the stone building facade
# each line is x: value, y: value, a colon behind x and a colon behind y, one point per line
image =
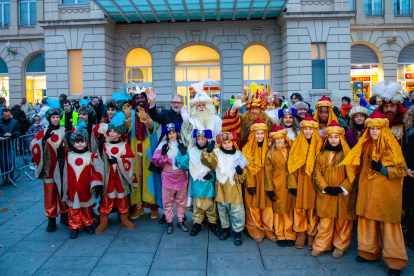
x: 306, y: 37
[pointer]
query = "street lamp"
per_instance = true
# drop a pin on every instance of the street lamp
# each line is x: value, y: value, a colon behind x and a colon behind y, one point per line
x: 9, y: 49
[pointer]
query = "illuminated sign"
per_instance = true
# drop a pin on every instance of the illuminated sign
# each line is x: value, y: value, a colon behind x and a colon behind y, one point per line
x: 362, y: 78
x: 409, y: 76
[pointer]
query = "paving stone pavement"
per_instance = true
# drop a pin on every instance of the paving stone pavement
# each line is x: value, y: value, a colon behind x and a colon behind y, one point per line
x: 27, y: 249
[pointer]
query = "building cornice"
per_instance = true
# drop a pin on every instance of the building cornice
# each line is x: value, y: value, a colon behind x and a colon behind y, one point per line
x: 298, y: 16
x: 56, y: 24
x: 382, y: 27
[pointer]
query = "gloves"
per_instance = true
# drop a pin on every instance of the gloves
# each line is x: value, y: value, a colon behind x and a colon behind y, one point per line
x: 294, y: 191
x: 184, y: 114
x: 239, y: 170
x: 61, y: 163
x: 208, y: 176
x: 210, y: 146
x: 112, y: 160
x: 271, y: 195
x: 98, y: 190
x: 376, y: 166
x: 141, y: 114
x: 182, y: 149
x: 47, y: 135
x: 61, y: 152
x: 164, y: 149
x: 14, y: 135
x: 333, y: 191
x: 251, y: 191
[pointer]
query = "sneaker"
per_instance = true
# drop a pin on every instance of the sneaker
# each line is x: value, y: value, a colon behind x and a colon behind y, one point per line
x: 32, y: 167
x: 162, y: 220
x: 89, y: 230
x: 281, y: 243
x: 225, y: 233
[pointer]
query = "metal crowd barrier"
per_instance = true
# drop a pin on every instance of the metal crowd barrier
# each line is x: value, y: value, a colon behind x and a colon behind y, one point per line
x: 23, y: 158
x: 7, y: 155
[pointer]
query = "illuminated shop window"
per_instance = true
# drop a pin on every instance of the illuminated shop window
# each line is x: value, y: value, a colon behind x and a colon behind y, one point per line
x: 36, y: 79
x: 138, y: 68
x: 256, y: 68
x: 194, y: 64
x: 405, y: 74
x: 4, y: 81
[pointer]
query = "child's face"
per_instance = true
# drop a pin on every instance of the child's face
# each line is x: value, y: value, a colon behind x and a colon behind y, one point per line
x: 55, y: 120
x: 37, y: 120
x: 113, y: 135
x: 201, y: 141
x: 271, y: 106
x: 334, y: 139
x: 227, y: 145
x: 288, y: 120
x: 260, y: 135
x: 172, y: 135
x: 111, y: 111
x: 80, y: 145
x: 280, y: 142
x: 308, y: 131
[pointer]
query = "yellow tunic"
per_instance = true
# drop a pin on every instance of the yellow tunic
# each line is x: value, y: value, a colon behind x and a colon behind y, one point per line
x: 306, y: 193
x: 328, y: 173
x: 276, y: 180
x: 226, y: 192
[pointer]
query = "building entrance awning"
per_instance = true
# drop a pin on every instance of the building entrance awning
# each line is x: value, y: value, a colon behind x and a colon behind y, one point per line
x: 188, y: 10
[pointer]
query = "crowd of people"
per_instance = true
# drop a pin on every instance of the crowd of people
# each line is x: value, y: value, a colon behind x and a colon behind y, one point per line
x: 294, y: 175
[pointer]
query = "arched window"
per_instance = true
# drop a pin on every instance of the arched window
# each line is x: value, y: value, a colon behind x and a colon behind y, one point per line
x: 36, y: 79
x: 256, y: 68
x: 364, y: 68
x: 194, y: 64
x: 138, y: 68
x: 406, y: 68
x: 4, y: 81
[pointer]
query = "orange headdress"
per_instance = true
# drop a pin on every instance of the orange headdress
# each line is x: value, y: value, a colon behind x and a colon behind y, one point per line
x: 334, y: 127
x: 279, y: 132
x: 225, y: 136
x: 324, y: 101
x: 251, y: 151
x: 256, y: 101
x: 386, y: 149
x: 302, y: 152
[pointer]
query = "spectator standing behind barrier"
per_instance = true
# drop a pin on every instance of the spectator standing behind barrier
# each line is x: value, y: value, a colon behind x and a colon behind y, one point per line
x: 69, y: 118
x: 9, y: 127
x: 98, y: 107
x: 2, y: 104
x: 26, y: 106
x: 42, y: 112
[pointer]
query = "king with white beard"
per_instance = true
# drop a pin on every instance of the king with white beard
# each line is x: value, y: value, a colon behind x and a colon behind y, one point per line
x: 202, y: 114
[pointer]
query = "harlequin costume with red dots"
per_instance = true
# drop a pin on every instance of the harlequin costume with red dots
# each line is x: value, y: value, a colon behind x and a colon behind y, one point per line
x: 79, y: 181
x: 45, y: 156
x: 119, y: 179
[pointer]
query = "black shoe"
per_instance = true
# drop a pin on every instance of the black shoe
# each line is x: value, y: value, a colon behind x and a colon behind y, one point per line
x: 162, y: 220
x: 394, y: 272
x: 74, y: 233
x: 282, y: 243
x: 214, y: 227
x: 89, y: 230
x: 290, y: 243
x: 185, y: 218
x: 237, y: 238
x: 196, y: 228
x: 359, y: 259
x: 181, y: 226
x: 64, y: 219
x: 170, y: 228
x: 51, y: 226
x: 225, y: 233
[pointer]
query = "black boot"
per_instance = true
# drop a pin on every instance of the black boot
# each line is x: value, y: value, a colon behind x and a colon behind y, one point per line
x: 89, y: 229
x: 185, y: 218
x: 162, y: 220
x: 181, y: 226
x: 237, y: 238
x: 394, y: 272
x: 170, y: 228
x: 214, y: 227
x: 282, y: 243
x: 51, y: 226
x: 360, y: 259
x: 225, y: 233
x: 290, y: 243
x: 74, y: 233
x: 64, y: 219
x: 196, y: 229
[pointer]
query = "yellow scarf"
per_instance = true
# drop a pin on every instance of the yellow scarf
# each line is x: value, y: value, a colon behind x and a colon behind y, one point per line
x: 252, y: 152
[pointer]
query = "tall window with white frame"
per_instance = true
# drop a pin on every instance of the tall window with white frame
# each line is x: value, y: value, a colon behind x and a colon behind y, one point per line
x: 5, y: 13
x: 138, y: 69
x: 74, y: 2
x: 27, y: 13
x: 373, y: 7
x: 318, y: 65
x: 402, y: 7
x: 256, y: 68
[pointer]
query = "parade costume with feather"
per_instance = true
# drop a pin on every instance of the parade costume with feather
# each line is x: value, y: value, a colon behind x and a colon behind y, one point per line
x: 47, y: 147
x: 117, y: 168
x: 381, y: 168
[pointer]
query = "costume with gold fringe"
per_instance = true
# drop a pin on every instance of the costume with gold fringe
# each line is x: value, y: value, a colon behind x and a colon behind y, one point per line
x: 301, y: 162
x: 259, y: 214
x: 276, y: 173
x: 335, y: 213
x: 324, y: 101
x: 379, y: 202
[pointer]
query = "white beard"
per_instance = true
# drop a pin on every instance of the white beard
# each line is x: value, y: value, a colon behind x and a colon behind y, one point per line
x: 204, y: 117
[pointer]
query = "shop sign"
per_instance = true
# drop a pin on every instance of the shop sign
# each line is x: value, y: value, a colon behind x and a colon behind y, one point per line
x: 409, y: 76
x: 362, y: 78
